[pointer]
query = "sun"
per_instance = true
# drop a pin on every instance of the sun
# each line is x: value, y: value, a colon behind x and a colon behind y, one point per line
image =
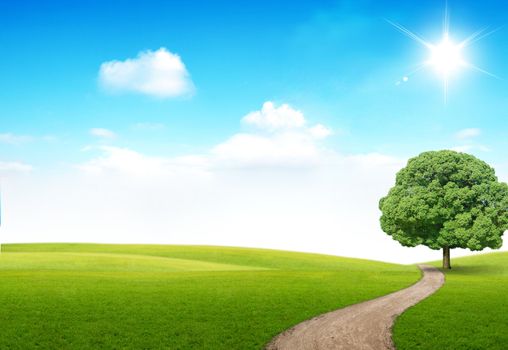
x: 446, y: 57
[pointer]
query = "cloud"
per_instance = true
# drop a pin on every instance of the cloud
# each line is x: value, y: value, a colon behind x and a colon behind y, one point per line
x: 281, y: 138
x: 157, y: 73
x: 13, y: 139
x: 320, y: 131
x: 118, y: 160
x: 467, y: 137
x: 122, y: 160
x: 15, y: 167
x: 275, y: 118
x: 283, y: 149
x: 103, y: 133
x: 468, y: 133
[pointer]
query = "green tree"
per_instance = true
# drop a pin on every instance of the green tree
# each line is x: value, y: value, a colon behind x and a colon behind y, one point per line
x: 446, y: 200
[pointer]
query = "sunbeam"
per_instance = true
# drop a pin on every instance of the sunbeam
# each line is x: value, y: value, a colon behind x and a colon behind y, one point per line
x: 446, y: 56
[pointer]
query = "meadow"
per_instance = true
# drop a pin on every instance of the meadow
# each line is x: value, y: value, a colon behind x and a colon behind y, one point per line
x: 469, y: 312
x: 82, y: 296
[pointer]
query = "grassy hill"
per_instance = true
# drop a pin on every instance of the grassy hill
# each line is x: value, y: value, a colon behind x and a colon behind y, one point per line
x: 469, y: 312
x: 81, y: 296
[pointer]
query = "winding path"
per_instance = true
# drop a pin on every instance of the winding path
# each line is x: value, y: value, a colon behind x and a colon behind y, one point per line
x: 365, y: 326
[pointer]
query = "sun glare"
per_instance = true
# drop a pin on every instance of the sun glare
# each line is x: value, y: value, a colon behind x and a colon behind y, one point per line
x: 446, y: 57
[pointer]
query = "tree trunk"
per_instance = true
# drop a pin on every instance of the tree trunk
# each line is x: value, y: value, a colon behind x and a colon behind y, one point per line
x: 446, y: 258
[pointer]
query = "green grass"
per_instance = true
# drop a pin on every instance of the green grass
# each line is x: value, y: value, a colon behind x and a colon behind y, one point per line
x: 469, y: 312
x: 82, y: 296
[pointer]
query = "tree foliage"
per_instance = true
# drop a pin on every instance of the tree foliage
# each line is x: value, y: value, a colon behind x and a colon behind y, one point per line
x: 446, y: 199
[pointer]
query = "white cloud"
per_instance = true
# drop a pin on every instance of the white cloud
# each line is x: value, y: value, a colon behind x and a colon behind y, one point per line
x: 467, y: 137
x: 468, y: 133
x: 117, y: 160
x: 291, y: 144
x: 275, y: 118
x: 320, y: 131
x: 121, y: 160
x: 157, y: 73
x: 281, y: 138
x: 15, y: 167
x: 282, y: 149
x: 103, y: 133
x: 14, y: 139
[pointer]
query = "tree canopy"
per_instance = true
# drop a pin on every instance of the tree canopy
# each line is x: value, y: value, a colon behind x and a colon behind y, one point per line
x: 446, y: 199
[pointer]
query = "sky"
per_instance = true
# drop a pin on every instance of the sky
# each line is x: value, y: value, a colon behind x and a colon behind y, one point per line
x: 270, y: 124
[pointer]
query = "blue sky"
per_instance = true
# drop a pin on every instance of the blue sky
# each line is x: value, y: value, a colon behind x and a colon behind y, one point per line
x: 337, y: 62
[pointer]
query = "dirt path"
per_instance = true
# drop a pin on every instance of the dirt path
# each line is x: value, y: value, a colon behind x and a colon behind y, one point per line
x: 363, y: 326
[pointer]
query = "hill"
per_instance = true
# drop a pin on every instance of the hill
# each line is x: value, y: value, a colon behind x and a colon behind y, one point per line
x: 469, y: 312
x: 83, y: 296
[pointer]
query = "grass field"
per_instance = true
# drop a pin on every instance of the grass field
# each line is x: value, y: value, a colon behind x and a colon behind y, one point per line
x: 82, y: 296
x: 469, y: 312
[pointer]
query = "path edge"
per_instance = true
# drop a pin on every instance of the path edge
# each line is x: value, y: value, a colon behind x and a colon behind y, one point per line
x: 271, y: 344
